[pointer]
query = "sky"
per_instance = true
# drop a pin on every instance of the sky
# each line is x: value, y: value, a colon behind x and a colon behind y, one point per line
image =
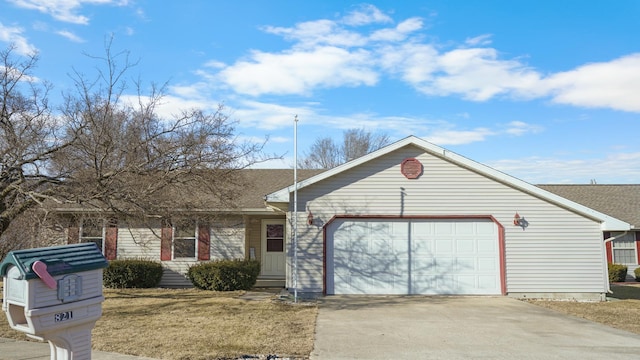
x: 547, y: 91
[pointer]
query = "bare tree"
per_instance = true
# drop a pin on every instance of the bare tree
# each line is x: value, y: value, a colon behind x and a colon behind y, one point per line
x: 326, y: 154
x: 29, y: 138
x: 110, y: 151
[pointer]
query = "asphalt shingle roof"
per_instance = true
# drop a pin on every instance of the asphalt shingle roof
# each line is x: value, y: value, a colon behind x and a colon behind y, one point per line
x: 260, y: 182
x: 619, y: 201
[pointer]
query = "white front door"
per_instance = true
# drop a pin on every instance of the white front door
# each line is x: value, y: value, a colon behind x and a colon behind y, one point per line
x: 273, y: 248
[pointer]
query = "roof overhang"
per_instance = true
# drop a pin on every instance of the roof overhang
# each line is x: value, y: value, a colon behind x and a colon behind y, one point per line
x: 607, y: 223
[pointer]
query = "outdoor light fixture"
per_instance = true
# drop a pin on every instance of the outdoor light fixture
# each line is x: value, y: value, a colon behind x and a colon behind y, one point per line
x: 310, y: 218
x: 520, y: 221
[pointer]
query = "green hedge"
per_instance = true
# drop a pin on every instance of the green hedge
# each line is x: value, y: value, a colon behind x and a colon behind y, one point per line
x: 637, y: 272
x: 132, y: 273
x: 617, y: 272
x: 225, y: 275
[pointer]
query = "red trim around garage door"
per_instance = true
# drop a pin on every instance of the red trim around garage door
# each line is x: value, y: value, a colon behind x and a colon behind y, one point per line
x: 503, y: 281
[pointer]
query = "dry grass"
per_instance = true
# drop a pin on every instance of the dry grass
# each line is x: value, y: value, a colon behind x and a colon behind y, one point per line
x: 194, y: 324
x: 620, y: 314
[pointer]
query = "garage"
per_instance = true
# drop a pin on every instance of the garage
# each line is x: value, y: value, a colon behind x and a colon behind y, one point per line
x: 381, y: 256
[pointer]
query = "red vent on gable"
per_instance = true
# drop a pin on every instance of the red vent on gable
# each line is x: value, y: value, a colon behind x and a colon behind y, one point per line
x: 411, y: 168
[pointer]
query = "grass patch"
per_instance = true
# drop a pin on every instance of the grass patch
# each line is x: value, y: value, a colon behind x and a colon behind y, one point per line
x: 621, y: 314
x: 194, y: 324
x: 625, y: 292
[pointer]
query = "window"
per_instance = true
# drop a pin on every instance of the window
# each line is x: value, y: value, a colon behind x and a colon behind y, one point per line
x: 275, y: 237
x: 624, y: 250
x: 185, y: 235
x: 92, y: 230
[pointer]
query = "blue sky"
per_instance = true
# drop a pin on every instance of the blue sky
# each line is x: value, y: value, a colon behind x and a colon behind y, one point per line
x: 547, y: 91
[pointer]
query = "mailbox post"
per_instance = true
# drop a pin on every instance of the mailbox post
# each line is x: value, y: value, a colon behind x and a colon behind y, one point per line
x: 55, y: 294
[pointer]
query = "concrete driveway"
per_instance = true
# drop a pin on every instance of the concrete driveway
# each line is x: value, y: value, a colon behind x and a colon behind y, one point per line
x: 419, y: 327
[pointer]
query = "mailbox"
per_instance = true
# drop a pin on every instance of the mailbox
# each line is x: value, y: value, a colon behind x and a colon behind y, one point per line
x: 55, y: 294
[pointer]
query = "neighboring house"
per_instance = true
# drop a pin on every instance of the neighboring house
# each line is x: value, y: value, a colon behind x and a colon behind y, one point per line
x: 410, y: 218
x: 619, y: 201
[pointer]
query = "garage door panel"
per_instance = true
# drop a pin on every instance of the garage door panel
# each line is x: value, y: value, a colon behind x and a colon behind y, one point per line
x: 444, y: 246
x: 443, y: 228
x: 444, y: 265
x: 487, y: 264
x: 466, y: 265
x: 464, y: 228
x: 487, y: 246
x: 420, y: 246
x: 413, y: 257
x: 487, y: 282
x: 465, y: 246
x: 486, y: 228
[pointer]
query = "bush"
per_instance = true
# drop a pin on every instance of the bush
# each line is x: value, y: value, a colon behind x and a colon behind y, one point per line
x: 617, y: 272
x: 637, y: 273
x: 132, y: 274
x: 225, y: 275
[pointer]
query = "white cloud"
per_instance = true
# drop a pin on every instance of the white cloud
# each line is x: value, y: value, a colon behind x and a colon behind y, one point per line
x: 170, y: 106
x: 613, y: 168
x: 254, y: 114
x: 614, y: 84
x: 71, y: 36
x: 320, y: 32
x: 458, y: 137
x: 415, y: 62
x: 477, y: 74
x: 484, y: 39
x: 366, y: 14
x: 400, y: 32
x: 13, y: 35
x: 519, y: 128
x: 338, y: 53
x: 65, y: 10
x: 299, y: 72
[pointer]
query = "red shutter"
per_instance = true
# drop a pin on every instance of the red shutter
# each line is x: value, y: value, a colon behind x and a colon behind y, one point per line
x: 166, y: 235
x: 638, y: 246
x: 111, y: 240
x: 609, y: 247
x: 204, y: 242
x: 73, y: 234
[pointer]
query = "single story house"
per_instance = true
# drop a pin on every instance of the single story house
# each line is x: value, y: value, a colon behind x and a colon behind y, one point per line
x: 619, y: 201
x: 410, y: 218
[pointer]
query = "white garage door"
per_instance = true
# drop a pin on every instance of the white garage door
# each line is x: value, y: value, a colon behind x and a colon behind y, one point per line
x: 417, y: 256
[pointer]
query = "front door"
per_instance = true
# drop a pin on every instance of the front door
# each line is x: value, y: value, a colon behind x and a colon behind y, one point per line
x: 273, y: 248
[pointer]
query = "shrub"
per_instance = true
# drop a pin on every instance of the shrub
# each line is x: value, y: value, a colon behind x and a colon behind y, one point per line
x: 637, y: 273
x: 617, y: 272
x: 225, y: 275
x: 132, y: 273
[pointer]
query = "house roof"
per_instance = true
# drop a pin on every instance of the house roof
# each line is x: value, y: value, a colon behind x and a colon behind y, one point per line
x: 260, y: 182
x: 619, y: 201
x: 608, y: 223
x: 248, y: 191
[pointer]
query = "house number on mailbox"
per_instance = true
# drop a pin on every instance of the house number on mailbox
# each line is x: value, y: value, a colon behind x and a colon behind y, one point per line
x: 63, y: 316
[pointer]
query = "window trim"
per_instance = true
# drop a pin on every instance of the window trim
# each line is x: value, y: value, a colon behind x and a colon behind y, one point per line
x: 195, y: 242
x: 629, y: 237
x: 103, y: 232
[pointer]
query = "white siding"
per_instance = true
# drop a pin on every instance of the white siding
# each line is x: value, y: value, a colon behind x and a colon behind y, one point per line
x: 227, y: 239
x: 143, y: 241
x: 559, y: 251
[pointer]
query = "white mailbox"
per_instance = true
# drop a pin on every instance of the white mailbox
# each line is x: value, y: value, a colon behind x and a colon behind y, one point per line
x: 55, y: 294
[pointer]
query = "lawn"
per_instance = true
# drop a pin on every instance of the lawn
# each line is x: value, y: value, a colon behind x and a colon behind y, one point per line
x: 622, y: 312
x: 196, y: 324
